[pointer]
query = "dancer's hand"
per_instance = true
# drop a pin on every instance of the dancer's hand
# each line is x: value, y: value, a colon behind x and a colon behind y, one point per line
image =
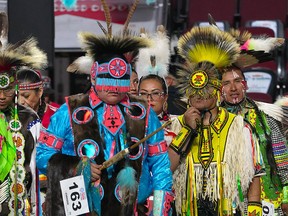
x: 95, y: 172
x: 192, y: 117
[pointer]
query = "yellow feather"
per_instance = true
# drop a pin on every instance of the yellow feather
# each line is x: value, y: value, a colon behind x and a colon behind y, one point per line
x: 209, y: 44
x: 209, y: 53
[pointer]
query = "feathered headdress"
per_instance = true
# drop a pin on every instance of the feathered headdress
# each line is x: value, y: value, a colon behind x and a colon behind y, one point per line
x: 155, y: 59
x: 205, y: 49
x: 13, y: 56
x: 105, y: 55
x: 254, y: 50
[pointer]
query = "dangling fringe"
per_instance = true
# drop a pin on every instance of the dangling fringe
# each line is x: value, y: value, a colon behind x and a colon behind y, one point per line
x: 113, y: 85
x: 241, y: 160
x: 179, y: 179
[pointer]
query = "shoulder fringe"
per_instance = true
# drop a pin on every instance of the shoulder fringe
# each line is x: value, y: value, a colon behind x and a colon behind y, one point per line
x: 238, y: 162
x: 179, y: 186
x: 179, y: 180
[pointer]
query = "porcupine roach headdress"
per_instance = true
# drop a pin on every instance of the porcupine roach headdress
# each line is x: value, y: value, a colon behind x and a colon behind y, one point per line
x: 155, y: 59
x: 205, y: 49
x: 110, y: 69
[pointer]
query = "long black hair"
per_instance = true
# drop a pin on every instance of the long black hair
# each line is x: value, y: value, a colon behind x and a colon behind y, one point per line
x: 29, y: 76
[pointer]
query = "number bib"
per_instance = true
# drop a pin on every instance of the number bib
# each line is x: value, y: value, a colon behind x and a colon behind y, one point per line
x: 267, y: 208
x: 74, y: 196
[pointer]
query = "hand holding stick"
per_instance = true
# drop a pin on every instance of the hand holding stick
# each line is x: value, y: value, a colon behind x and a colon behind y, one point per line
x: 126, y: 151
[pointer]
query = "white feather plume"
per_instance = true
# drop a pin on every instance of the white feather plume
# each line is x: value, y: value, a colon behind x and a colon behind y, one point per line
x: 3, y: 29
x: 283, y: 103
x: 160, y: 49
x: 272, y: 110
x: 81, y: 65
x: 266, y: 44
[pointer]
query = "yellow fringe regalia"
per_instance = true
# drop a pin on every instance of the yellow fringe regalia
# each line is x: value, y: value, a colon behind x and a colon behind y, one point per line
x: 219, y: 166
x: 214, y: 169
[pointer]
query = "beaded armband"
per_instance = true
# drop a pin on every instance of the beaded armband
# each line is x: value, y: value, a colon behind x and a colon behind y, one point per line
x: 50, y: 139
x: 180, y: 140
x: 285, y: 195
x: 254, y: 209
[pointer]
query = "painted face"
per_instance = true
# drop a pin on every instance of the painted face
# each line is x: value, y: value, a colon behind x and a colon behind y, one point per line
x: 6, y: 96
x: 30, y: 98
x: 233, y: 86
x: 203, y: 104
x: 152, y: 91
x: 134, y: 83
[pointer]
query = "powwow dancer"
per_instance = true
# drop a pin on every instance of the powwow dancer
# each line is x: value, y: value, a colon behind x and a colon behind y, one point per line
x: 19, y: 129
x: 91, y: 128
x: 212, y: 177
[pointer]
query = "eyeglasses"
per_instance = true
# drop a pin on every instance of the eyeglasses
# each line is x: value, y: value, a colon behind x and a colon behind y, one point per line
x: 8, y: 92
x: 153, y: 95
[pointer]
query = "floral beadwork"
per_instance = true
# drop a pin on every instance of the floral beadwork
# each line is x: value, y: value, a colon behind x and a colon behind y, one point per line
x: 4, y: 80
x: 17, y: 176
x: 15, y: 125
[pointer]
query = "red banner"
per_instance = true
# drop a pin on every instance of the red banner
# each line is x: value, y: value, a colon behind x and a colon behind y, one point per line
x: 93, y: 10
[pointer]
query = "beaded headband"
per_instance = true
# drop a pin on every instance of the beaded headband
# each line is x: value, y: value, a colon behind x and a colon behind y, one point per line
x: 30, y: 86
